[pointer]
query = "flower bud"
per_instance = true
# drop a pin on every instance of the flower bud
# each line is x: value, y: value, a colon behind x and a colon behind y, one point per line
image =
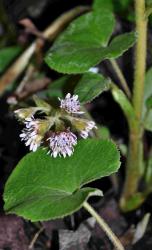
x: 25, y: 113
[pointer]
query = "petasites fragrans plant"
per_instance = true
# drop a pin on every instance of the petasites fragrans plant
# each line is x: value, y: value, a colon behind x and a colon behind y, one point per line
x: 86, y: 42
x: 57, y: 175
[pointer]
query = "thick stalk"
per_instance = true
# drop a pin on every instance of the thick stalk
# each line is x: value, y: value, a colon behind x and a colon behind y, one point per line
x: 140, y: 59
x: 116, y: 242
x: 133, y: 170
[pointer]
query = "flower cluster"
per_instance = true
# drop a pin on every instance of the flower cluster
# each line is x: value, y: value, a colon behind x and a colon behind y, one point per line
x: 52, y: 129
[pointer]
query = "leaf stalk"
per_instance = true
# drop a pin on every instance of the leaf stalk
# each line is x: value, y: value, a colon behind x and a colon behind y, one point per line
x: 121, y: 77
x: 112, y: 237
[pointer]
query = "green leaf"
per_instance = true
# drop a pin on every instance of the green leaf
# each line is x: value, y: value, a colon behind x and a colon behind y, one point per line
x: 42, y: 187
x: 91, y: 29
x: 90, y: 86
x: 7, y: 55
x: 120, y: 44
x: 72, y: 57
x: 87, y: 30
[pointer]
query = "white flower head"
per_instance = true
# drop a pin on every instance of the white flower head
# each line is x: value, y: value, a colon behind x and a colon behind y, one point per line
x: 31, y: 134
x: 71, y: 104
x: 89, y: 126
x: 62, y: 143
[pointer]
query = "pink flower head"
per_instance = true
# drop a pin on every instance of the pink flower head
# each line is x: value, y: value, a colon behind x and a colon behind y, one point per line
x: 61, y: 143
x: 71, y: 104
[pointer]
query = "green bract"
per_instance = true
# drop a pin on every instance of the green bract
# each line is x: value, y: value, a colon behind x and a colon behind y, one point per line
x: 42, y: 188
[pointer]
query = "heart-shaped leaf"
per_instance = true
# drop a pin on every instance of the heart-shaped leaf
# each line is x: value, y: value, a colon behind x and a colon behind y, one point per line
x: 89, y: 31
x: 72, y: 57
x: 42, y: 187
x: 84, y: 43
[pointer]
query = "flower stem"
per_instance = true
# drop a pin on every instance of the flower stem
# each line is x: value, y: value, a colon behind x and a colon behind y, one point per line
x: 121, y: 77
x: 135, y: 151
x: 116, y: 242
